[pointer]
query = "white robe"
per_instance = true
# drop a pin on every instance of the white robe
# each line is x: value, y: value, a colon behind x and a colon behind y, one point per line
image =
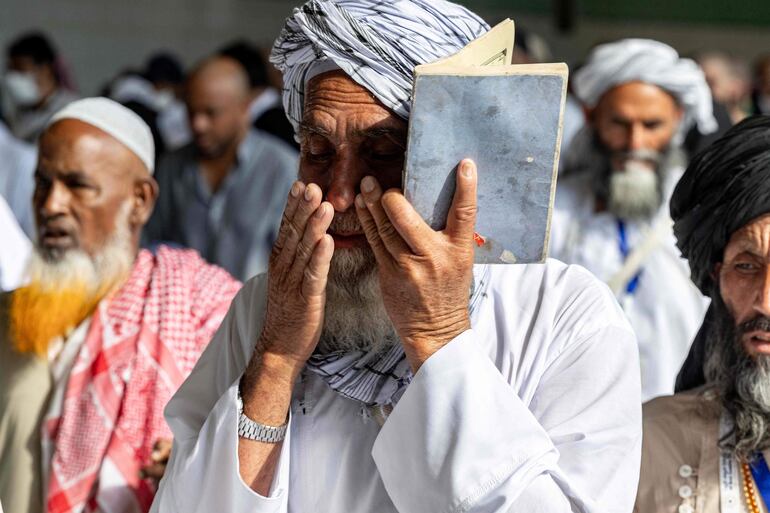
x: 535, y: 409
x: 666, y: 309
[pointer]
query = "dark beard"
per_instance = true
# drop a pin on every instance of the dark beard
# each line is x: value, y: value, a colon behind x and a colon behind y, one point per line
x: 741, y: 381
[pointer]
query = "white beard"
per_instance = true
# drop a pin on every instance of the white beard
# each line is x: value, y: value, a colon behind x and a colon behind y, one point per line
x: 355, y: 316
x: 634, y: 192
x: 96, y: 273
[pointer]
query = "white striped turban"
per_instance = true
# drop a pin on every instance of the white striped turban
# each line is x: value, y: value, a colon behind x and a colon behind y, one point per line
x: 377, y: 43
x: 645, y: 60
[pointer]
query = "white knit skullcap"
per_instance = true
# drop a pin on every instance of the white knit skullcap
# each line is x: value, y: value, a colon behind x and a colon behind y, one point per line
x: 118, y: 121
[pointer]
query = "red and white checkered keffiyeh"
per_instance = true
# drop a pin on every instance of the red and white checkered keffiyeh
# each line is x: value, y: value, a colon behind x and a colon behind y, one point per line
x: 140, y: 346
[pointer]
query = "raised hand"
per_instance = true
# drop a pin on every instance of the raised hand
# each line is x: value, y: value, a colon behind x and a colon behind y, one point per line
x: 296, y: 295
x: 425, y: 275
x: 299, y: 265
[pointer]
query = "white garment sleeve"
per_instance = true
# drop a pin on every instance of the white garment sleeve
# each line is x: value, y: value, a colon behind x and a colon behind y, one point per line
x: 203, y: 473
x: 461, y: 440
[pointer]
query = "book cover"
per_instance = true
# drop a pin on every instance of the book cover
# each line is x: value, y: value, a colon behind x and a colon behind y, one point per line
x: 508, y: 119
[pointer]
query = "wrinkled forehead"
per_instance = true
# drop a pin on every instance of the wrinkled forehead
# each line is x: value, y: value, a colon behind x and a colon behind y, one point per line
x: 753, y: 238
x: 336, y: 104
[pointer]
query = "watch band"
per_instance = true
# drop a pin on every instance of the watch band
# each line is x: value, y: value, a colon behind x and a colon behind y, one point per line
x: 252, y: 430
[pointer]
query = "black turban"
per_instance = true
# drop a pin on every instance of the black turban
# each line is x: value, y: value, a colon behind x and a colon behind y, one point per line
x: 725, y: 186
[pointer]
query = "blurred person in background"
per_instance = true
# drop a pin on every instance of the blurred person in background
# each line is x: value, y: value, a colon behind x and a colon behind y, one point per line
x: 706, y: 449
x: 14, y: 249
x: 33, y: 85
x: 223, y: 195
x: 153, y: 94
x: 101, y: 335
x: 729, y: 79
x: 17, y: 167
x: 729, y: 94
x: 266, y: 111
x: 761, y: 95
x: 166, y: 74
x: 132, y: 90
x: 611, y: 211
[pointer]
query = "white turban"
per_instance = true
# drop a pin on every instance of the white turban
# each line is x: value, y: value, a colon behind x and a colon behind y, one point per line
x: 644, y: 60
x: 378, y: 44
x: 118, y: 121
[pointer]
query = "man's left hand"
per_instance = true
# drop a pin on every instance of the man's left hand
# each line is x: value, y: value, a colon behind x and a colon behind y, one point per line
x: 425, y: 275
x: 154, y: 471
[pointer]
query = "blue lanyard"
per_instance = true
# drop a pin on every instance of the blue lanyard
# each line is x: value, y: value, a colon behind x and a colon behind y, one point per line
x: 625, y: 250
x: 761, y: 475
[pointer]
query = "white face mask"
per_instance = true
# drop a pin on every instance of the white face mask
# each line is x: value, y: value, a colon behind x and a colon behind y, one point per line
x: 21, y: 88
x: 164, y: 99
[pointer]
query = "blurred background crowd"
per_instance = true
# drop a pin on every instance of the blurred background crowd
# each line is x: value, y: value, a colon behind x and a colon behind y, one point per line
x: 198, y: 73
x: 148, y: 56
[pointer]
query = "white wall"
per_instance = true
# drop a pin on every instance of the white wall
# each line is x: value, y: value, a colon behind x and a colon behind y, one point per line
x: 100, y: 37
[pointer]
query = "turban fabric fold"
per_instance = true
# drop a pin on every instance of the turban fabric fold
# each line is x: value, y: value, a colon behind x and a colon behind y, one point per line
x: 725, y: 186
x: 377, y: 43
x: 653, y: 62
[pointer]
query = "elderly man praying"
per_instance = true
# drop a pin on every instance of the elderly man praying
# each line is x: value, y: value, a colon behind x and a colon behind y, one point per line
x: 374, y: 368
x: 97, y: 341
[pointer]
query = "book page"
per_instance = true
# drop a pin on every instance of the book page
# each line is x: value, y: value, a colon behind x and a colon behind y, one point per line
x: 494, y: 48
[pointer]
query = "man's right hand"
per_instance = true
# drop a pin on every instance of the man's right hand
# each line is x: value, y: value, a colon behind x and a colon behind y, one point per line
x: 299, y: 265
x: 296, y: 294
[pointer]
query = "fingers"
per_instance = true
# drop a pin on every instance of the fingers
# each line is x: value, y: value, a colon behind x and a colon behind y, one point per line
x: 293, y: 226
x: 408, y: 223
x: 153, y: 471
x: 161, y: 450
x: 315, y: 274
x: 380, y: 229
x: 462, y: 214
x: 295, y: 193
x: 314, y: 231
x: 381, y: 253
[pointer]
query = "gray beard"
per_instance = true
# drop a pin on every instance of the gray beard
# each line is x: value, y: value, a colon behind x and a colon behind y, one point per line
x: 627, y: 193
x: 634, y: 193
x: 355, y: 316
x: 741, y: 381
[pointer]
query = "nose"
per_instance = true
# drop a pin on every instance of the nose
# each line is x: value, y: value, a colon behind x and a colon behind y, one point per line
x: 636, y: 137
x: 762, y: 301
x: 199, y: 123
x: 53, y: 200
x: 345, y: 176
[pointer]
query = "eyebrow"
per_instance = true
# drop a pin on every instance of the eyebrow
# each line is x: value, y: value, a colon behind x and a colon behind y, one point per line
x: 396, y: 133
x: 66, y: 174
x: 307, y: 128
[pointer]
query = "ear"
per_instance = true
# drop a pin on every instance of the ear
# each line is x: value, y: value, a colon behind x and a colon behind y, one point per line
x: 145, y: 194
x: 715, y: 272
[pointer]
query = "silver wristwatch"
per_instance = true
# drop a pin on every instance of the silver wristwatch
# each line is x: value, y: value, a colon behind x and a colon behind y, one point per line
x: 251, y: 430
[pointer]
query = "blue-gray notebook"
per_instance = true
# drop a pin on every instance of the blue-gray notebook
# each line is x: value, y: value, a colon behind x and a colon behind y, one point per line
x: 508, y: 119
